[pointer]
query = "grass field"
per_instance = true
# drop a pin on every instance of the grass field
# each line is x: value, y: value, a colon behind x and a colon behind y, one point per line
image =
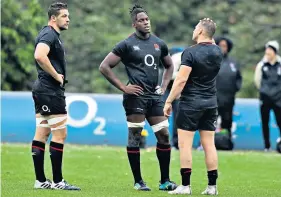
x: 105, y: 172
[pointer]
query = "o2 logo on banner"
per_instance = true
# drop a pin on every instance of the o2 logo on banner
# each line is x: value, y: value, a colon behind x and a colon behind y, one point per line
x: 92, y: 108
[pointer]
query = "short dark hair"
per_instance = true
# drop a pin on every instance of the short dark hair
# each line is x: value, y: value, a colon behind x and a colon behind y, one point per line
x: 229, y: 43
x: 209, y: 25
x: 135, y: 10
x: 55, y: 8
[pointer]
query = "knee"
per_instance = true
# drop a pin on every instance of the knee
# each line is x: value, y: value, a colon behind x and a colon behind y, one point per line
x: 42, y: 132
x: 134, y: 136
x: 163, y: 136
x: 161, y: 132
x: 209, y: 146
x: 59, y: 136
x: 41, y: 136
x: 58, y: 128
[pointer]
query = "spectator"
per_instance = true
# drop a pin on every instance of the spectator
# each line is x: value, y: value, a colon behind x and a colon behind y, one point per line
x: 229, y: 82
x: 268, y: 82
x: 176, y: 57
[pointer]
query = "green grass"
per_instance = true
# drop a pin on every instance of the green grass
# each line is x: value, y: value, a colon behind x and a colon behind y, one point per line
x: 105, y: 172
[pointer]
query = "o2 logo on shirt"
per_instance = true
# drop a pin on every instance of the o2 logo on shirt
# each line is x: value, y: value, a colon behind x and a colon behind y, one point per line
x: 90, y: 116
x: 150, y: 61
x: 45, y: 108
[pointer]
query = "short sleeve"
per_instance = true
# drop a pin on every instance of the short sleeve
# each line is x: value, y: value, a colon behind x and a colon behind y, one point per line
x: 164, y: 50
x: 120, y: 49
x: 47, y: 38
x: 187, y: 58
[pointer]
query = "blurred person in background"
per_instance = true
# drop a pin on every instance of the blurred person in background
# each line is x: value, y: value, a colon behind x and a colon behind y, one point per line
x: 229, y: 82
x: 176, y: 58
x: 268, y: 81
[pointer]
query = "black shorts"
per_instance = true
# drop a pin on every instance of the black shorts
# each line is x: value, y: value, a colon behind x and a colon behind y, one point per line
x: 49, y: 104
x: 148, y: 107
x: 192, y: 120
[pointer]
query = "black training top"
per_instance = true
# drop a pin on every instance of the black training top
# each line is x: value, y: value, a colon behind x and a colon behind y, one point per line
x: 142, y: 59
x: 200, y: 90
x: 45, y: 83
x: 270, y: 90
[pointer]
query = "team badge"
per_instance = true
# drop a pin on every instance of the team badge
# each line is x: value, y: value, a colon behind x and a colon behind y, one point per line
x: 265, y: 68
x: 156, y: 46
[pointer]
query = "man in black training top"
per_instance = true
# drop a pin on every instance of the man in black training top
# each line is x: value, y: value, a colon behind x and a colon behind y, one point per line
x: 142, y: 54
x: 196, y: 82
x: 48, y: 95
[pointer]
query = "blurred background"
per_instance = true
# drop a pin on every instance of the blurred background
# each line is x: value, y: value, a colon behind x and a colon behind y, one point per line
x: 95, y: 28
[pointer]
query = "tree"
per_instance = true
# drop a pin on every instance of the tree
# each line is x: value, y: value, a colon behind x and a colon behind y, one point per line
x: 97, y: 26
x: 20, y: 24
x: 250, y: 24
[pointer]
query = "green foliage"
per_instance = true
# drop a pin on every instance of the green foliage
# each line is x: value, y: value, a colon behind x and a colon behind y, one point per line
x: 20, y: 24
x: 96, y: 26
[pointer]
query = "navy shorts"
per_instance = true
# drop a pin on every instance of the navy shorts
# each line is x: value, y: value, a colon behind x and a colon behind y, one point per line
x: 192, y: 120
x: 148, y: 107
x: 49, y: 104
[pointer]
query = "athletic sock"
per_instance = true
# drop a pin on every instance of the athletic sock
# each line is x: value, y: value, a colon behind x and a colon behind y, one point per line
x: 212, y: 177
x: 56, y: 153
x: 163, y: 153
x: 38, y: 152
x: 185, y: 176
x: 134, y: 160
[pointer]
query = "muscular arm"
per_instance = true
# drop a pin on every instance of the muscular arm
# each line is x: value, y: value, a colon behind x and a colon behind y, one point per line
x: 110, y: 61
x: 168, y: 73
x: 179, y: 83
x: 41, y: 56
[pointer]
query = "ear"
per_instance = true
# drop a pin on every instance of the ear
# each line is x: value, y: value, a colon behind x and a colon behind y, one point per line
x: 53, y: 18
x: 200, y: 31
x: 134, y: 25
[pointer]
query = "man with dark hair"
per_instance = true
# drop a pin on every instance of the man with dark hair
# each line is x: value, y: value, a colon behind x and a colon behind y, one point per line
x: 229, y: 82
x: 196, y: 82
x: 48, y: 95
x: 142, y: 54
